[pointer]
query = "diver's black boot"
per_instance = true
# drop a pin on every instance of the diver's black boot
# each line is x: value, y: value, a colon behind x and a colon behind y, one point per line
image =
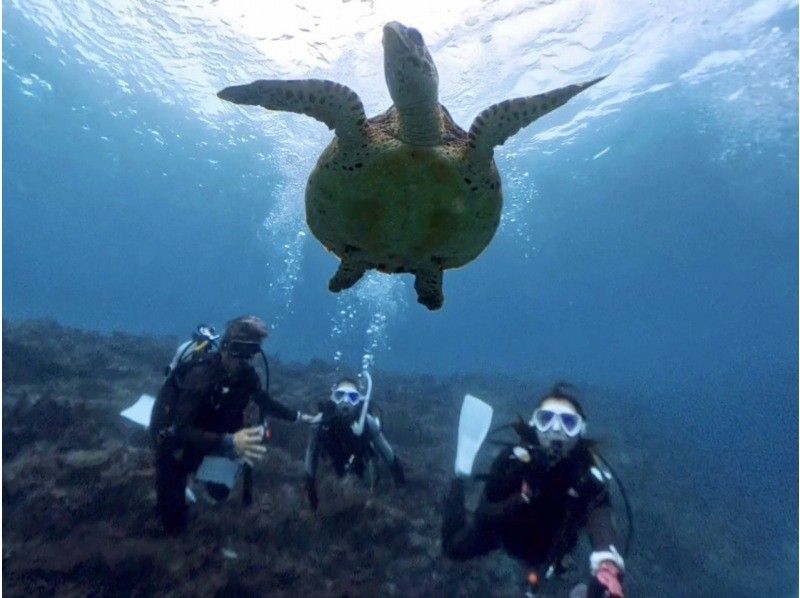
x: 398, y: 474
x: 454, y: 515
x: 171, y: 493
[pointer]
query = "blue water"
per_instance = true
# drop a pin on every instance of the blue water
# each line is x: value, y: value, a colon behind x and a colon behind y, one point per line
x: 663, y: 269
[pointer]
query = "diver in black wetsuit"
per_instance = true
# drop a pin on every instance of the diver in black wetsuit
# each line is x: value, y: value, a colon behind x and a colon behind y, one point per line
x: 538, y: 496
x: 199, y: 411
x: 349, y: 442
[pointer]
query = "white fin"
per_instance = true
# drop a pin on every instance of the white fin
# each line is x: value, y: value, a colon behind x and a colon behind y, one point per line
x: 473, y: 425
x: 140, y: 411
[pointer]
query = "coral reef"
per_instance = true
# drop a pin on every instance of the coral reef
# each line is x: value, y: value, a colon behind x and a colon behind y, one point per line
x: 78, y: 495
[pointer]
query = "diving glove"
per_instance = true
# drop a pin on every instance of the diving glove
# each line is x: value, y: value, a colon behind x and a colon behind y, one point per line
x: 247, y: 444
x: 607, y: 581
x: 307, y: 418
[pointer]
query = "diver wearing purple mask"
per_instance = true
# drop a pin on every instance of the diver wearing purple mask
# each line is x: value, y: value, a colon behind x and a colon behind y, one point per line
x: 349, y: 435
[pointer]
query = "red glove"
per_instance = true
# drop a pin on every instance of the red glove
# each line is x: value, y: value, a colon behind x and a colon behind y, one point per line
x: 609, y: 577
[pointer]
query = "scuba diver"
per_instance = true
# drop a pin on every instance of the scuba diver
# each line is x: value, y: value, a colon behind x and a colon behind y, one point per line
x: 199, y: 411
x: 350, y: 435
x: 539, y: 495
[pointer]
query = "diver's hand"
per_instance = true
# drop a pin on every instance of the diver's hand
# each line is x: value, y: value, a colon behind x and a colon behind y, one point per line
x: 247, y: 444
x: 526, y: 491
x: 307, y: 418
x: 609, y: 579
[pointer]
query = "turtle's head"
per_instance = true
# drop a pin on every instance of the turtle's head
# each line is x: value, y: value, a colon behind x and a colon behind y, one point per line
x: 410, y: 72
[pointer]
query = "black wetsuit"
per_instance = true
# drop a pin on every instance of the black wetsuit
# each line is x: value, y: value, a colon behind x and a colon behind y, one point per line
x: 196, y: 410
x: 566, y: 497
x: 347, y: 452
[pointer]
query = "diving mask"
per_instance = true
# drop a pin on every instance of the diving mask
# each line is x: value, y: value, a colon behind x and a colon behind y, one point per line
x: 242, y: 350
x: 569, y: 422
x: 339, y: 396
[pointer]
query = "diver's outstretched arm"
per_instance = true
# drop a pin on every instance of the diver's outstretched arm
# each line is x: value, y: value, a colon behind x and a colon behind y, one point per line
x: 385, y: 450
x: 601, y: 528
x: 268, y: 406
x: 378, y: 440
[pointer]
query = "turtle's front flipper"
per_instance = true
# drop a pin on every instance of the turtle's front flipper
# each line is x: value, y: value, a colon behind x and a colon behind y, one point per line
x: 337, y: 106
x: 348, y: 274
x: 428, y: 284
x: 497, y: 123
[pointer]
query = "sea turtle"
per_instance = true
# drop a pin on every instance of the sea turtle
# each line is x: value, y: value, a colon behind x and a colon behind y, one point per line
x: 407, y: 190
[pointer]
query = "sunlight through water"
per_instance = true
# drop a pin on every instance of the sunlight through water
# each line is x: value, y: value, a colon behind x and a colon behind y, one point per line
x: 182, y: 53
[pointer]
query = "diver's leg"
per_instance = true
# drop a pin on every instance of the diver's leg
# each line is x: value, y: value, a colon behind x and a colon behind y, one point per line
x: 339, y: 463
x: 378, y: 440
x: 398, y: 473
x: 247, y: 485
x: 372, y: 473
x: 454, y: 514
x: 170, y: 492
x: 462, y: 540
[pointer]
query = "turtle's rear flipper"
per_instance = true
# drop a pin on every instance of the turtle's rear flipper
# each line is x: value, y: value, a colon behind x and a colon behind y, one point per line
x: 428, y: 285
x: 348, y: 274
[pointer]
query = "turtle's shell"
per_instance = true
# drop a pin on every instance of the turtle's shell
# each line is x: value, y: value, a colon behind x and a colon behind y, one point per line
x: 399, y: 207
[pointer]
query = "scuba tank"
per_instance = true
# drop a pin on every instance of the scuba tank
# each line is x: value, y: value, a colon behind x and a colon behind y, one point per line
x: 203, y: 341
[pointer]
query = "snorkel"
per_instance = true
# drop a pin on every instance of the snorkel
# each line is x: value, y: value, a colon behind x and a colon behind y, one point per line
x: 358, y: 427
